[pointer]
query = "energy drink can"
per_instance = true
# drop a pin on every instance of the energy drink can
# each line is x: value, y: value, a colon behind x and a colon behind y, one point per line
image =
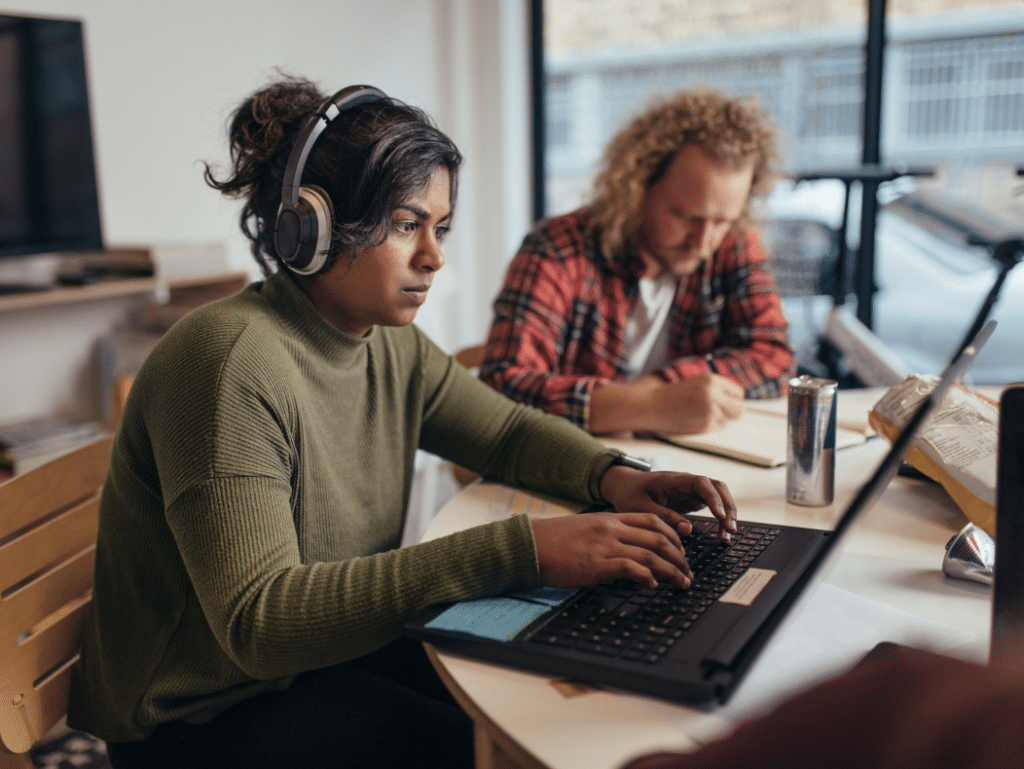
x: 811, y: 441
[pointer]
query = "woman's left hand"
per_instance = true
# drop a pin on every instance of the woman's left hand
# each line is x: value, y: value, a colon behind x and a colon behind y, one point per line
x: 669, y: 496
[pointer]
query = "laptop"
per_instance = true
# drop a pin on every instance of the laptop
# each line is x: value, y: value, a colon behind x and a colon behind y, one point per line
x: 1008, y: 582
x: 692, y: 646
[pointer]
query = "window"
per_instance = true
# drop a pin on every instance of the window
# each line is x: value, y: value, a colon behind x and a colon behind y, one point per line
x: 953, y: 99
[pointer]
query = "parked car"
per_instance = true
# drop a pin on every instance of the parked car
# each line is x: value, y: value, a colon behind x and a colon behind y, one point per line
x: 931, y: 282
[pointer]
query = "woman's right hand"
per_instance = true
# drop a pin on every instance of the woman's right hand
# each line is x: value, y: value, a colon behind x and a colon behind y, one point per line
x: 582, y: 550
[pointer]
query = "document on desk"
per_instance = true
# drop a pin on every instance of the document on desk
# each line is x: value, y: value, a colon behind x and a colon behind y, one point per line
x: 507, y: 501
x: 757, y: 437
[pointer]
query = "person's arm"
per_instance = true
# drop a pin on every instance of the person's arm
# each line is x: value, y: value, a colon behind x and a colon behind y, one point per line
x: 522, y: 360
x: 531, y: 340
x: 478, y: 428
x: 697, y: 404
x: 738, y: 349
x: 746, y: 333
x: 235, y: 477
x: 531, y: 344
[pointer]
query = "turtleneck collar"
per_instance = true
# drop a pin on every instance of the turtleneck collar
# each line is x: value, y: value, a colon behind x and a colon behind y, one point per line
x: 290, y: 303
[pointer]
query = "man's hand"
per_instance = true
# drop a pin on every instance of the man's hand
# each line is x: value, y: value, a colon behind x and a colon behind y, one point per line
x: 697, y: 405
x: 694, y: 405
x: 669, y: 496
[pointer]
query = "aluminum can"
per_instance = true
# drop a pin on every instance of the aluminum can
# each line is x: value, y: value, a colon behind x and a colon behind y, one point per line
x: 811, y: 441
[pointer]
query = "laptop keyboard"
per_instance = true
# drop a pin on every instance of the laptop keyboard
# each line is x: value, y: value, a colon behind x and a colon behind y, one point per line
x: 624, y: 620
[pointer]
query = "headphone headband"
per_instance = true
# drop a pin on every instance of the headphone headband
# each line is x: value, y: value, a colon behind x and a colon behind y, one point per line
x: 302, y: 233
x: 342, y: 100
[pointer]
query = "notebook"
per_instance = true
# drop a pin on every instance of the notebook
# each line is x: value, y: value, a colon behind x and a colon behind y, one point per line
x: 692, y: 646
x: 852, y: 407
x: 760, y: 438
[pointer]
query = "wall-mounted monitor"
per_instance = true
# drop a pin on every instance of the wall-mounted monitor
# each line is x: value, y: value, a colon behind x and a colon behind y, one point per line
x: 48, y: 197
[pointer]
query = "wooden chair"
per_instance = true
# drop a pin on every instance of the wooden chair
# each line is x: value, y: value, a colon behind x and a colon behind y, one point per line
x: 48, y: 523
x: 119, y: 397
x: 469, y: 357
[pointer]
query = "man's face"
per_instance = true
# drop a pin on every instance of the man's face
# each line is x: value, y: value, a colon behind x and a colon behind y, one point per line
x: 689, y: 210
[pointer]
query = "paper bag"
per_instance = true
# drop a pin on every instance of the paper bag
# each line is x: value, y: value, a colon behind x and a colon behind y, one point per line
x: 957, y: 446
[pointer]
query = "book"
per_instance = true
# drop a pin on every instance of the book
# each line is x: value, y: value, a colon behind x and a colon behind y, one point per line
x: 29, y: 443
x: 28, y: 436
x: 11, y: 465
x: 184, y: 295
x: 758, y: 437
x: 172, y: 261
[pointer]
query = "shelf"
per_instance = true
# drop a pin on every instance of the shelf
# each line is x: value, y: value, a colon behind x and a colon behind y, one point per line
x: 113, y: 288
x: 70, y: 294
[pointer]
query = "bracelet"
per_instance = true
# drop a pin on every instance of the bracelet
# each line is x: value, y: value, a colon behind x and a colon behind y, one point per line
x: 608, y: 460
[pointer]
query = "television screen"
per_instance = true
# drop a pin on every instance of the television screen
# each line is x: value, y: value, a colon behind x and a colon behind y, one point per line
x: 48, y: 199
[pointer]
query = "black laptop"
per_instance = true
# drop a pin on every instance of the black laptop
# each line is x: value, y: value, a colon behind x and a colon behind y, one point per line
x: 691, y: 646
x: 1008, y: 582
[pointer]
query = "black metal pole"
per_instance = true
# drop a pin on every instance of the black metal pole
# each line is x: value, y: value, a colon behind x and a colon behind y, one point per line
x: 538, y: 114
x: 1007, y: 253
x: 873, y: 69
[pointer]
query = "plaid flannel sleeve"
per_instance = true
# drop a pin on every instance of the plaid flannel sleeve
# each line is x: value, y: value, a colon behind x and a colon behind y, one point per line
x: 533, y: 331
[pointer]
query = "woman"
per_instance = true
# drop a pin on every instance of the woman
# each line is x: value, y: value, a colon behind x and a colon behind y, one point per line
x: 250, y: 592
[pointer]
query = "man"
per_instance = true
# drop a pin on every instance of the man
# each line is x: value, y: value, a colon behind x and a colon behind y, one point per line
x: 652, y: 308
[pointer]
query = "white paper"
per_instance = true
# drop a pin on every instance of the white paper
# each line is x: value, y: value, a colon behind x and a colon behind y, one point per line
x: 831, y: 631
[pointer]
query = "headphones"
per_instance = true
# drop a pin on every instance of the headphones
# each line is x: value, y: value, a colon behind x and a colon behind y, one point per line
x: 302, y: 234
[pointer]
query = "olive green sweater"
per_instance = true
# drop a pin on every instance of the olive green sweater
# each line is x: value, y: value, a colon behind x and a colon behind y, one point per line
x: 250, y: 522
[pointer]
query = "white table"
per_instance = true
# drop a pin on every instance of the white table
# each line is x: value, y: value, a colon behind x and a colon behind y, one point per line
x: 890, y: 562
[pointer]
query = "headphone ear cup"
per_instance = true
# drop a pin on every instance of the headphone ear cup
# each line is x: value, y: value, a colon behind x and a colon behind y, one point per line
x: 303, y: 233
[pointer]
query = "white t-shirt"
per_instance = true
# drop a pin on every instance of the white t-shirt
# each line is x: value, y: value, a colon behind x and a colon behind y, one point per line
x: 647, y: 326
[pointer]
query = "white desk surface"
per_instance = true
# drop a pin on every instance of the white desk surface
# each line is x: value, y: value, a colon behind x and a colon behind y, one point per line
x: 886, y: 584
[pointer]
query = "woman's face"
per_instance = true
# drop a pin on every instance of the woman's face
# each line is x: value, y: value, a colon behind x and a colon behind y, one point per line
x: 387, y: 284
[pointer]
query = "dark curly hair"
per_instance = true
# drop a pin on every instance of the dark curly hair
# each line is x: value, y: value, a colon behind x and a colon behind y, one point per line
x: 370, y: 159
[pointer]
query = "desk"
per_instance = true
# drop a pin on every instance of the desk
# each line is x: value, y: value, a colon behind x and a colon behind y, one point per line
x: 893, y: 556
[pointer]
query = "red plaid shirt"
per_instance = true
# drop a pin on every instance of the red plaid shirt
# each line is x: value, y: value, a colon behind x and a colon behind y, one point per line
x: 560, y: 320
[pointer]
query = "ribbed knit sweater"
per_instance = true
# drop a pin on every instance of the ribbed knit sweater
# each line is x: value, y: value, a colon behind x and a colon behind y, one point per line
x: 250, y: 522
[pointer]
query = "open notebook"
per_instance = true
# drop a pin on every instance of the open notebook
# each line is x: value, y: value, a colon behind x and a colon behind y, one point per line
x: 760, y: 435
x: 692, y: 645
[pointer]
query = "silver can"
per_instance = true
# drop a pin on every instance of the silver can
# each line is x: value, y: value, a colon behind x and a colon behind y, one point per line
x: 811, y: 441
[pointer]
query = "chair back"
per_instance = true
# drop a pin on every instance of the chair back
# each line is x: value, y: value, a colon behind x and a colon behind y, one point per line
x: 119, y: 397
x: 469, y: 357
x: 48, y: 523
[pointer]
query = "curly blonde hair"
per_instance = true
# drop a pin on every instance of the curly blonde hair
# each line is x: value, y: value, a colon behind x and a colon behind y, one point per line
x: 734, y: 131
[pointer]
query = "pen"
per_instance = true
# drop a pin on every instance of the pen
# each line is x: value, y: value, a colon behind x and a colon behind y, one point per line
x: 711, y: 363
